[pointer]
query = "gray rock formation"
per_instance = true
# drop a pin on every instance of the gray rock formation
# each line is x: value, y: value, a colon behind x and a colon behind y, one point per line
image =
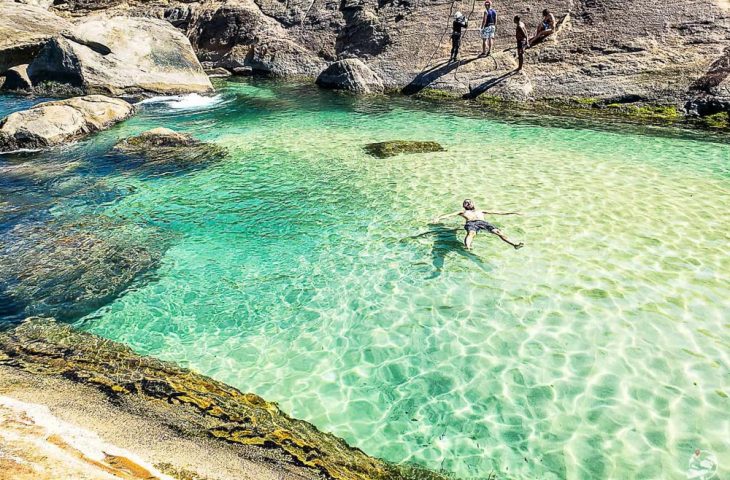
x: 24, y: 29
x: 164, y: 150
x: 54, y: 123
x: 350, y: 74
x: 121, y: 55
x: 16, y: 78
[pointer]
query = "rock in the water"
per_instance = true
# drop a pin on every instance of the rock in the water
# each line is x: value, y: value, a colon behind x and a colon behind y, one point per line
x: 24, y: 29
x: 16, y: 78
x: 397, y: 147
x: 162, y: 149
x: 122, y: 55
x: 70, y: 269
x: 217, y: 72
x: 54, y: 123
x: 350, y: 74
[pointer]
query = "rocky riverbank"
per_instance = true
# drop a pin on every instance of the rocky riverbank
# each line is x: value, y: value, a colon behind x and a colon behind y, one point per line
x: 185, y: 425
x: 629, y: 56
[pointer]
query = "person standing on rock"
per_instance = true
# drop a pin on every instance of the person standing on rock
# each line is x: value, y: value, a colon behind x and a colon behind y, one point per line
x: 460, y: 23
x: 521, y: 36
x: 489, y: 26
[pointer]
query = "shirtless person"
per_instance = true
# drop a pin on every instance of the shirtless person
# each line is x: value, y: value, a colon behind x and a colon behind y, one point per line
x: 546, y: 27
x: 475, y: 223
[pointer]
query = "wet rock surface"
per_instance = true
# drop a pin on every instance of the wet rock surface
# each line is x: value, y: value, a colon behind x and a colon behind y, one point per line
x: 198, y: 405
x: 16, y: 78
x: 121, y: 55
x: 70, y: 269
x: 398, y: 147
x: 164, y: 150
x: 54, y: 123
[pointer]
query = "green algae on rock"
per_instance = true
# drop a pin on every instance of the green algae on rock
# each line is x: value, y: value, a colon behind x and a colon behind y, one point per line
x: 162, y: 148
x: 42, y: 346
x: 392, y: 148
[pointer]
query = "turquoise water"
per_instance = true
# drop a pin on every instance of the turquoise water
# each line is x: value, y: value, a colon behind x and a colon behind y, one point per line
x: 308, y: 272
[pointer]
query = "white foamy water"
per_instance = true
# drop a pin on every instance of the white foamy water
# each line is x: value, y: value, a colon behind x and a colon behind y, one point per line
x: 191, y: 101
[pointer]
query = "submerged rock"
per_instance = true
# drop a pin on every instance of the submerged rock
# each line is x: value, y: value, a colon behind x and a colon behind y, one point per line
x: 24, y: 29
x: 69, y: 270
x: 397, y: 147
x: 352, y: 75
x: 122, y: 55
x: 165, y: 149
x: 53, y: 123
x: 194, y: 404
x: 16, y: 78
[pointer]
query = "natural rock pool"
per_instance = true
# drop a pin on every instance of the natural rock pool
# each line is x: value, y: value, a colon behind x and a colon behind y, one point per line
x: 307, y: 271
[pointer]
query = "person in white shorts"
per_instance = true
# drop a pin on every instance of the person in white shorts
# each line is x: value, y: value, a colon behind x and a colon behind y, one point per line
x: 489, y: 25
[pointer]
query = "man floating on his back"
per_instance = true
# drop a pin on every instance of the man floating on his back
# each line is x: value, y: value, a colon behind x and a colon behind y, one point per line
x: 475, y: 222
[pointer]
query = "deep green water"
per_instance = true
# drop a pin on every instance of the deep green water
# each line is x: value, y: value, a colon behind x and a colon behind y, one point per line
x: 308, y: 272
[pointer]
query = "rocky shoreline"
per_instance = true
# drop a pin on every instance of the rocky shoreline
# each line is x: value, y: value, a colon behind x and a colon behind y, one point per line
x: 101, y: 375
x: 667, y: 60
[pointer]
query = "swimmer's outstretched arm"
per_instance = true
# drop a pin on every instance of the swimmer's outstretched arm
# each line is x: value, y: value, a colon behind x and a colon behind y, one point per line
x: 454, y: 214
x: 501, y: 213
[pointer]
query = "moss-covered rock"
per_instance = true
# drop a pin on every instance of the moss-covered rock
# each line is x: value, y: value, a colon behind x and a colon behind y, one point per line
x: 720, y: 120
x: 436, y: 94
x: 164, y: 149
x: 45, y: 347
x: 397, y: 147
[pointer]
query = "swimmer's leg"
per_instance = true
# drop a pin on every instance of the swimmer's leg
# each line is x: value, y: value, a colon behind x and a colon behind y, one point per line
x: 507, y: 240
x: 469, y: 239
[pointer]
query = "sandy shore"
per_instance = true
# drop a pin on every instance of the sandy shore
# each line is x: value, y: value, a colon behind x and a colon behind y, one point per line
x: 76, y: 432
x: 76, y: 406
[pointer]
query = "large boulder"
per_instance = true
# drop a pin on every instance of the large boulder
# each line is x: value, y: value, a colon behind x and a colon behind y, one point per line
x: 236, y: 34
x: 24, y: 29
x: 122, y: 55
x: 350, y: 74
x: 54, y: 123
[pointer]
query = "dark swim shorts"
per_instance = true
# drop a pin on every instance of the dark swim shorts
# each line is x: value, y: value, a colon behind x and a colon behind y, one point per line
x: 478, y: 226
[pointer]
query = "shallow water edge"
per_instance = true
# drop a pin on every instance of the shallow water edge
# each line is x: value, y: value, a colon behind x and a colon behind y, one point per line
x: 197, y: 405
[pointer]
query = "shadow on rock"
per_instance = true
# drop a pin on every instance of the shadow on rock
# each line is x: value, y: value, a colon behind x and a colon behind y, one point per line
x: 68, y: 270
x: 163, y: 151
x: 490, y: 83
x: 427, y: 77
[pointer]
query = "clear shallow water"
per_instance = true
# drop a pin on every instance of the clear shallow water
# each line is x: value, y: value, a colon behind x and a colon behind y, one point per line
x: 307, y: 272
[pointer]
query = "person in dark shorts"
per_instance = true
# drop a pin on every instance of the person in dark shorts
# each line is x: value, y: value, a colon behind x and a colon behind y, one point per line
x: 475, y: 222
x: 460, y: 23
x: 522, y: 42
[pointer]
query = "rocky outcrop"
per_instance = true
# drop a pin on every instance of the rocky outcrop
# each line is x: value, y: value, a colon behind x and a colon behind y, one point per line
x: 53, y: 123
x: 352, y: 75
x: 164, y: 150
x: 70, y: 269
x: 237, y: 34
x: 194, y: 404
x: 397, y: 147
x: 24, y: 29
x: 16, y: 78
x: 121, y: 55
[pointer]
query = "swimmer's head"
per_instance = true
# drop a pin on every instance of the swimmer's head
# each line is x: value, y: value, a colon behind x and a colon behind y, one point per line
x: 468, y: 204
